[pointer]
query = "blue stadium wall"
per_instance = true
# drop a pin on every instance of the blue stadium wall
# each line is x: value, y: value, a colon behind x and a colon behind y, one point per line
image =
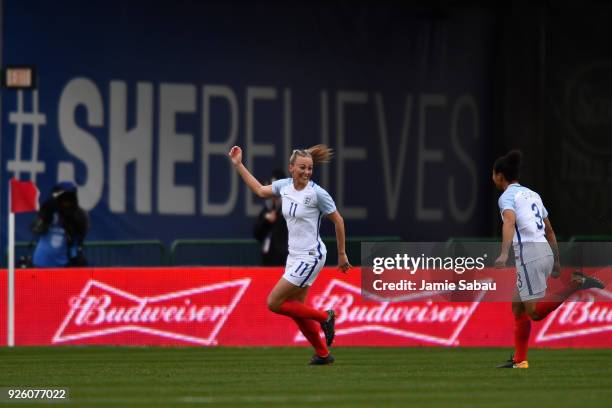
x: 138, y: 103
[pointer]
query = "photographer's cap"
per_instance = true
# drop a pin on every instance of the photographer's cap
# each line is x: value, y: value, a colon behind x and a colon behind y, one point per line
x: 63, y: 187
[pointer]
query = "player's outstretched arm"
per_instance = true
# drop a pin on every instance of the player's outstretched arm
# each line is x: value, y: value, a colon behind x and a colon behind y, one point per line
x: 235, y: 155
x: 343, y: 262
x: 552, y: 241
x: 507, y: 235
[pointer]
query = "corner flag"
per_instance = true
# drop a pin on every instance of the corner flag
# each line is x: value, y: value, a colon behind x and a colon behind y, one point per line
x: 23, y: 197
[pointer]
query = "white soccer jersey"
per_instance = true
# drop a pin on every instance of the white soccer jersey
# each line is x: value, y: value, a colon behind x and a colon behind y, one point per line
x: 303, y: 211
x: 530, y: 214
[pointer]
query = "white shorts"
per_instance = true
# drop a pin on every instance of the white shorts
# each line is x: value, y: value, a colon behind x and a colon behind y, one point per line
x: 531, y: 277
x: 302, y: 270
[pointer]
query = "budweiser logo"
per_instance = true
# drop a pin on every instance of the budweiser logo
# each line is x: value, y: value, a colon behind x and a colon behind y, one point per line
x: 580, y: 315
x: 194, y: 315
x: 409, y: 319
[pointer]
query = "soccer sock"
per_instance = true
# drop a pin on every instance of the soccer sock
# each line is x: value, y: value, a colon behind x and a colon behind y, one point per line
x: 522, y: 329
x: 293, y: 308
x: 310, y: 330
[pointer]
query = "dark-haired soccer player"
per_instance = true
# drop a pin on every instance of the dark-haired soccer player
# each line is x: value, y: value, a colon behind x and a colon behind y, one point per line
x: 526, y: 225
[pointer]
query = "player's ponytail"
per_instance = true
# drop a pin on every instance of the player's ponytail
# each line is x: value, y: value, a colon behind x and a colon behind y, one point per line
x: 320, y: 154
x: 509, y: 165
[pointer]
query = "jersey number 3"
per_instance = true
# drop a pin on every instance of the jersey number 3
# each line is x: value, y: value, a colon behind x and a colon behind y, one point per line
x: 536, y: 211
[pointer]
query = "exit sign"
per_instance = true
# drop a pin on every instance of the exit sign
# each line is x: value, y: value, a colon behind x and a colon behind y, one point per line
x: 19, y: 77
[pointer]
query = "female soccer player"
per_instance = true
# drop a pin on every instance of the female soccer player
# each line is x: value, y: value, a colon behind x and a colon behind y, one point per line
x: 303, y: 205
x: 526, y: 225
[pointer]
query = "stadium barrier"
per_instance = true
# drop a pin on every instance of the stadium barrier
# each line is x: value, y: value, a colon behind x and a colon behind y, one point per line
x: 215, y: 252
x: 227, y: 307
x: 591, y: 238
x: 247, y: 252
x: 353, y: 247
x: 126, y: 253
x: 226, y: 252
x: 111, y: 253
x: 193, y: 252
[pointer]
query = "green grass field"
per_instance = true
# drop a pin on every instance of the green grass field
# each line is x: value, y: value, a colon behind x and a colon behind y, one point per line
x: 417, y: 377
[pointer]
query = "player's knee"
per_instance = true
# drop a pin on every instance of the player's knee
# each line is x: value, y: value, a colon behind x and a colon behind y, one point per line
x: 273, y: 305
x: 534, y: 316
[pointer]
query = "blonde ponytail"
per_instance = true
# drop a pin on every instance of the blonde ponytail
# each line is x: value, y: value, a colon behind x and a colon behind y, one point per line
x: 320, y: 154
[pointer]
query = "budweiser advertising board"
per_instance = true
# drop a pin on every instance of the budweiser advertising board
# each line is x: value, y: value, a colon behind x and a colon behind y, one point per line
x: 227, y: 307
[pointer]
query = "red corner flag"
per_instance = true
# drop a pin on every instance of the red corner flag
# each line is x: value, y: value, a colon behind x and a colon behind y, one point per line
x: 24, y: 196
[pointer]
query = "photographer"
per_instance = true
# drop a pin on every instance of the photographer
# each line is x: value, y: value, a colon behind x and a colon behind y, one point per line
x: 60, y: 226
x: 270, y: 229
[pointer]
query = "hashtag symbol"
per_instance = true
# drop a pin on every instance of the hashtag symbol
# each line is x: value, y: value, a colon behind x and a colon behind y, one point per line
x: 21, y: 118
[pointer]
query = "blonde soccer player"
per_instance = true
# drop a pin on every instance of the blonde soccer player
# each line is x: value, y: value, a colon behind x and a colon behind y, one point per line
x: 304, y: 204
